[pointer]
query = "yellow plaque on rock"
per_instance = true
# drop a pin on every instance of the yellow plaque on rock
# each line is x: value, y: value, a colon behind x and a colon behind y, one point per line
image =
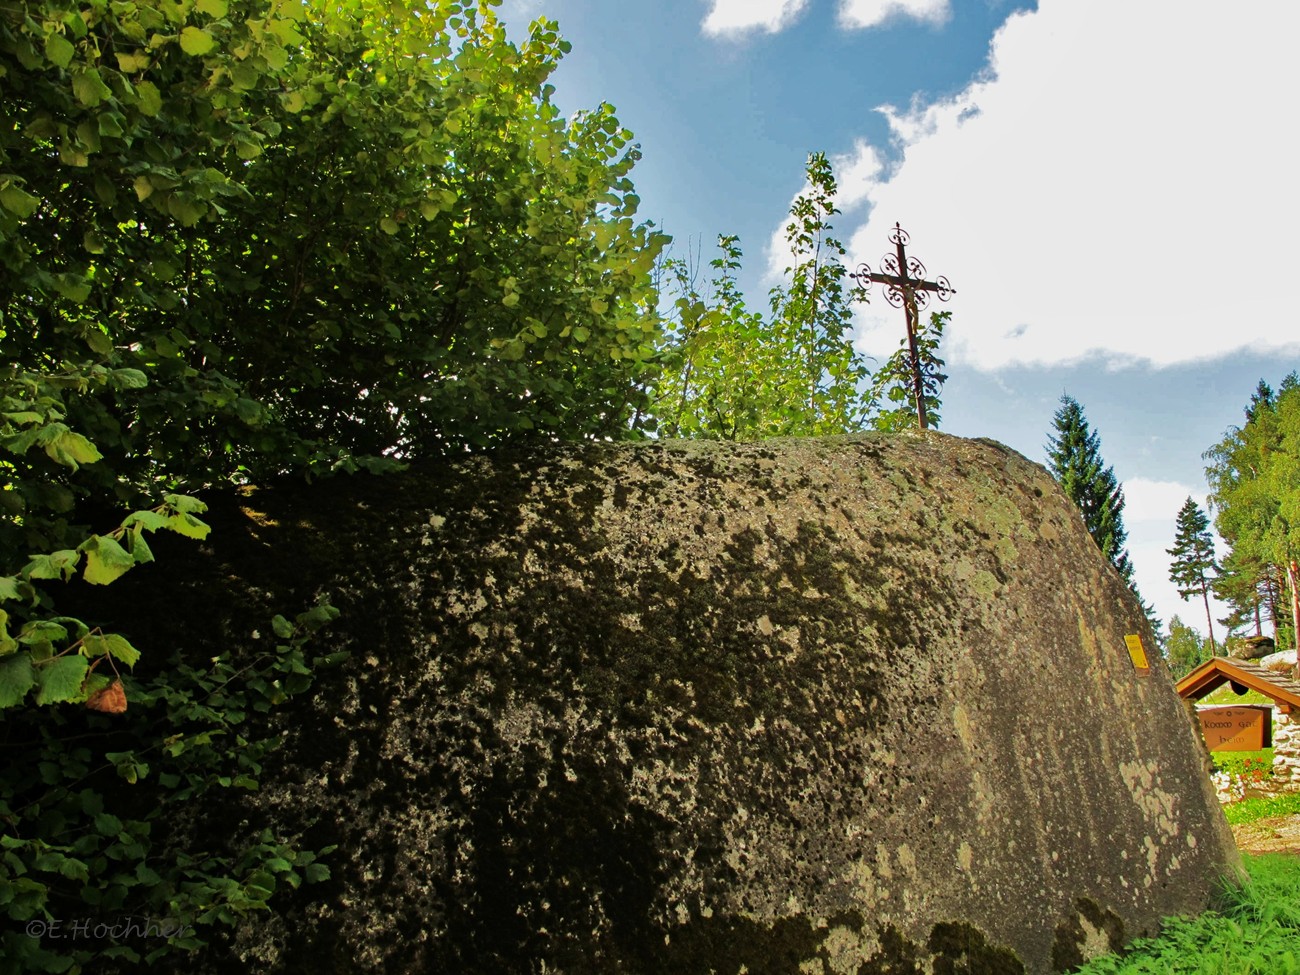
x: 1137, y: 653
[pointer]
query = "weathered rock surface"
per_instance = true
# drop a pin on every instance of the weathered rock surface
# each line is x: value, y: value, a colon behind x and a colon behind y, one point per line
x: 858, y: 705
x: 1253, y: 648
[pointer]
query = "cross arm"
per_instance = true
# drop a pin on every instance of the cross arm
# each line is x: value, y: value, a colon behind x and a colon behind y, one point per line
x: 910, y: 284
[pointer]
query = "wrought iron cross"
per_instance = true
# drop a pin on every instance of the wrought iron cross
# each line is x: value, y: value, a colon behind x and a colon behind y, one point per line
x: 906, y: 288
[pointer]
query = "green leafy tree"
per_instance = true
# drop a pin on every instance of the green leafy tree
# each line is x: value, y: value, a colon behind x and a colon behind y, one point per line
x: 248, y: 238
x: 812, y: 316
x: 733, y: 374
x: 296, y: 238
x: 1255, y: 592
x: 719, y: 362
x: 893, y: 384
x: 1193, y: 566
x: 1253, y: 586
x: 239, y: 239
x: 1254, y: 475
x: 1074, y: 458
x: 1185, y: 649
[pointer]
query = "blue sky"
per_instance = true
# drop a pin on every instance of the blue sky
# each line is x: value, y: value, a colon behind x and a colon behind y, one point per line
x: 1109, y: 184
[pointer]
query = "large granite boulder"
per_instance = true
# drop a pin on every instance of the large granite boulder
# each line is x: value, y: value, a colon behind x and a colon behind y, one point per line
x: 855, y: 705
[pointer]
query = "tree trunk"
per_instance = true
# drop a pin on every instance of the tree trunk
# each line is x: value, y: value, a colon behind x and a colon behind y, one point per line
x: 1209, y: 621
x: 1293, y: 579
x: 1271, y: 586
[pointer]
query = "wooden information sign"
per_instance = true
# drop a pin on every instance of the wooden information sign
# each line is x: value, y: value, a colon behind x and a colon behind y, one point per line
x: 1137, y: 653
x: 1238, y: 728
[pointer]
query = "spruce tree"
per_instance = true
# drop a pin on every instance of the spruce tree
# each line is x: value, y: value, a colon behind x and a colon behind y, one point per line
x: 1074, y: 458
x: 1193, y: 554
x: 1261, y: 397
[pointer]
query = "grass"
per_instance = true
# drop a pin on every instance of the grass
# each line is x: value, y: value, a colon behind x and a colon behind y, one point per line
x: 1249, y: 810
x: 1252, y: 930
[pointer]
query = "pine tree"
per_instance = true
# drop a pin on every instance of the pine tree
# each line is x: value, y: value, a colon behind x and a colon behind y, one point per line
x: 1193, y: 555
x: 1074, y: 458
x: 1261, y: 397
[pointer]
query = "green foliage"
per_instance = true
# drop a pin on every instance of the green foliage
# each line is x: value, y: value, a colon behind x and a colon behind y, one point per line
x: 258, y: 236
x: 1255, y: 591
x: 243, y: 238
x: 719, y: 360
x: 1193, y: 551
x: 1193, y: 562
x: 1254, y: 931
x: 732, y: 374
x: 1074, y: 458
x: 1254, y: 476
x: 812, y: 316
x: 87, y: 802
x: 1185, y: 649
x: 893, y: 384
x: 56, y: 656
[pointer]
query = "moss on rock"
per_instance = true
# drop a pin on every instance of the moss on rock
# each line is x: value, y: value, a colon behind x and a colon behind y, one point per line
x: 855, y: 705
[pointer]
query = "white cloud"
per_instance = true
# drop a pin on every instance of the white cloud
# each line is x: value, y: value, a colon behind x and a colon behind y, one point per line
x: 741, y: 16
x: 857, y: 173
x: 520, y: 8
x: 1148, y: 500
x: 1151, y: 576
x: 872, y: 13
x: 1118, y: 185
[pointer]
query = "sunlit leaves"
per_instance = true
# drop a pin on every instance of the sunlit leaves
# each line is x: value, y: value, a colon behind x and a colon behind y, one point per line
x: 1254, y: 475
x: 243, y: 238
x: 147, y: 287
x: 733, y: 373
x: 7, y: 643
x: 196, y: 42
x: 148, y: 98
x: 53, y: 565
x: 59, y: 50
x: 89, y: 87
x: 894, y: 384
x: 131, y: 62
x: 106, y: 560
x: 18, y: 201
x: 67, y: 447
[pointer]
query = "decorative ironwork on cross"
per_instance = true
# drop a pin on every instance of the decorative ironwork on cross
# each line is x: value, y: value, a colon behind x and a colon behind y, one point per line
x: 906, y: 288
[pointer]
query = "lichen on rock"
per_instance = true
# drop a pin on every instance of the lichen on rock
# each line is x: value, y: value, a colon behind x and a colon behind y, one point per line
x: 850, y: 705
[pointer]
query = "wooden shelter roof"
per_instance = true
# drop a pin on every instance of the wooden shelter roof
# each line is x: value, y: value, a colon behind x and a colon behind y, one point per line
x: 1221, y: 670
